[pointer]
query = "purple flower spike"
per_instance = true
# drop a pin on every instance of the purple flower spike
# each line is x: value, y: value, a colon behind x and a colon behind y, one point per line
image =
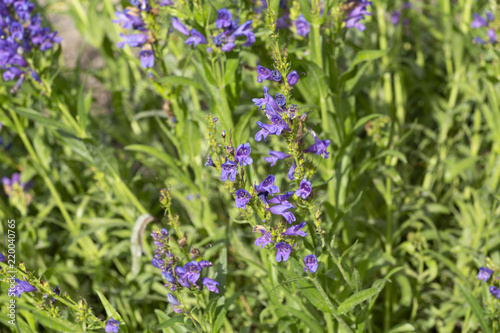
x: 21, y: 287
x: 172, y: 300
x: 495, y: 291
x: 177, y: 25
x: 267, y: 185
x: 195, y: 39
x: 304, y: 189
x: 292, y: 78
x: 263, y: 74
x: 242, y: 155
x: 112, y: 326
x: 223, y: 18
x: 302, y: 26
x: 147, y: 58
x: 478, y: 22
x: 295, y: 230
x: 284, y: 251
x: 228, y: 168
x: 484, y: 274
x: 319, y: 147
x: 242, y: 198
x: 210, y: 284
x: 263, y: 240
x: 274, y: 156
x: 311, y: 263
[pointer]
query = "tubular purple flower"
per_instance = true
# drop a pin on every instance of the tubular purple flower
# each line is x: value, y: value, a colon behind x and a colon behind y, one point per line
x: 209, y: 162
x: 242, y: 198
x: 205, y: 263
x: 177, y: 25
x: 223, y: 18
x: 228, y: 168
x: 478, y: 22
x: 490, y: 17
x: 292, y: 78
x: 112, y: 326
x: 304, y: 189
x: 492, y: 36
x: 242, y: 154
x: 276, y: 75
x: 274, y: 156
x: 21, y: 287
x: 357, y: 14
x: 192, y: 271
x: 302, y: 26
x: 283, y: 210
x: 291, y: 172
x: 267, y: 185
x: 283, y: 252
x: 281, y: 199
x: 173, y: 300
x: 147, y: 58
x: 135, y: 40
x: 128, y: 20
x: 196, y: 38
x: 479, y: 40
x: 311, y: 263
x: 210, y: 284
x: 319, y: 147
x: 495, y: 291
x: 263, y: 240
x: 484, y: 274
x: 263, y: 74
x: 228, y: 47
x: 295, y: 230
x: 16, y: 30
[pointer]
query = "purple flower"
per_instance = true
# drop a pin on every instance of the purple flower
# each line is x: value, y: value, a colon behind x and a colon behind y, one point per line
x: 304, y: 189
x: 135, y: 40
x: 484, y: 274
x: 302, y: 26
x: 210, y: 284
x: 167, y: 276
x: 357, y: 14
x: 223, y: 18
x: 283, y: 210
x: 295, y: 230
x: 173, y: 300
x: 276, y: 75
x: 242, y: 198
x: 196, y: 38
x: 177, y: 25
x: 479, y: 40
x: 228, y: 168
x: 291, y: 171
x: 280, y: 99
x: 112, y: 326
x: 478, y: 22
x: 2, y: 257
x: 292, y: 78
x: 21, y: 287
x: 263, y: 240
x: 192, y: 271
x: 319, y: 147
x: 395, y: 17
x: 209, y: 162
x: 164, y: 3
x: 284, y: 251
x: 158, y: 263
x: 274, y: 156
x: 311, y: 263
x: 492, y: 36
x: 281, y: 199
x: 244, y: 30
x: 16, y: 30
x: 267, y: 185
x: 490, y: 17
x: 263, y: 74
x: 495, y: 291
x: 128, y: 20
x: 205, y: 263
x: 242, y: 155
x: 147, y: 58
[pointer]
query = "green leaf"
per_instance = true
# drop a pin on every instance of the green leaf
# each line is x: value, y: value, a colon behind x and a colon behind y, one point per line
x: 356, y: 299
x: 476, y: 308
x: 54, y: 323
x: 367, y: 55
x: 180, y: 80
x: 304, y: 316
x: 111, y: 311
x: 177, y: 320
x: 39, y: 118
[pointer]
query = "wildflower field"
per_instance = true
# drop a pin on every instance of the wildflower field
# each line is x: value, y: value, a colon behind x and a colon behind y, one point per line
x: 250, y: 166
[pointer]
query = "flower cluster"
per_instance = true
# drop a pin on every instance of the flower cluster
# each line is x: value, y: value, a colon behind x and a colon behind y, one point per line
x: 357, y: 12
x: 186, y: 276
x: 275, y: 75
x: 228, y: 30
x: 21, y: 34
x: 133, y: 17
x: 480, y: 22
x: 484, y: 275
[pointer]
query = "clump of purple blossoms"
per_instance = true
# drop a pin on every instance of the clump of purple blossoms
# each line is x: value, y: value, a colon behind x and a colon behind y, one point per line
x: 304, y: 189
x: 484, y: 274
x: 132, y: 18
x: 311, y: 263
x: 112, y: 326
x: 354, y: 17
x: 267, y: 185
x: 480, y: 22
x: 302, y: 26
x: 21, y: 287
x: 230, y: 30
x: 20, y: 34
x: 242, y: 198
